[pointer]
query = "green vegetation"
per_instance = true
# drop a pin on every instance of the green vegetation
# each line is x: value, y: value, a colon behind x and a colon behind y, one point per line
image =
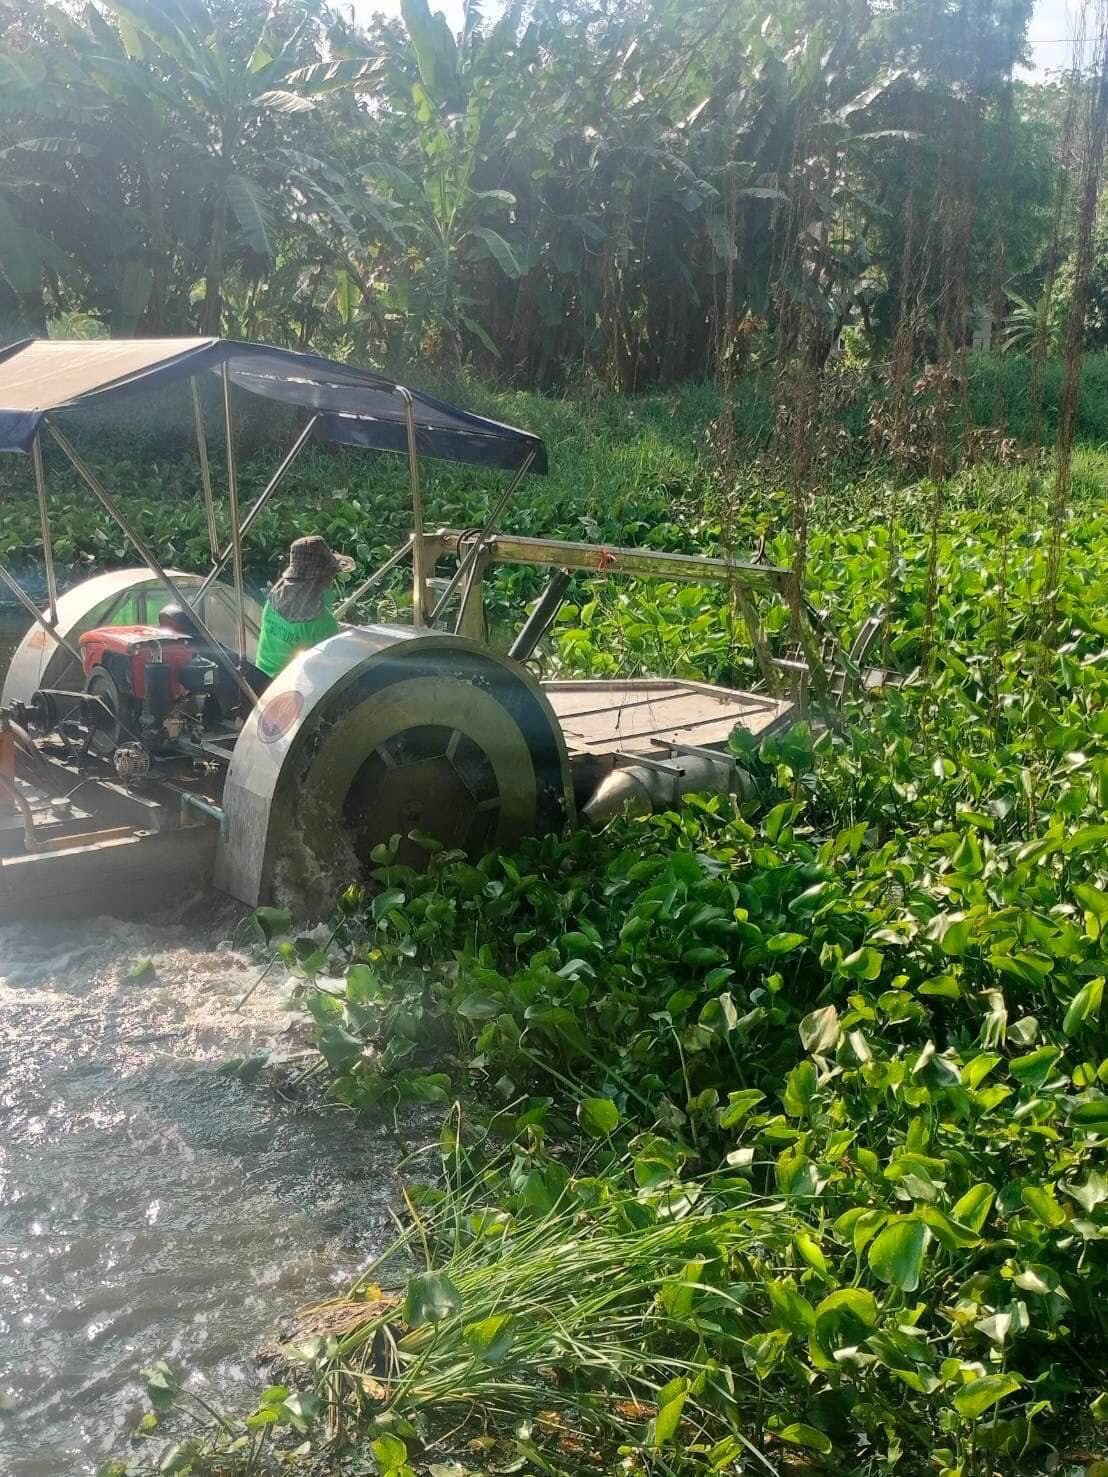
x: 565, y: 187
x: 783, y: 1146
x: 807, y: 1103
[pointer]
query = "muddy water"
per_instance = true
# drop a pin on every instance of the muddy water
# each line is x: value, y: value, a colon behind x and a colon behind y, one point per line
x: 150, y: 1204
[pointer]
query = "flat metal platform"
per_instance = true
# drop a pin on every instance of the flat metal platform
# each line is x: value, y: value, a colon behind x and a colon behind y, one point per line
x: 635, y: 718
x: 124, y: 876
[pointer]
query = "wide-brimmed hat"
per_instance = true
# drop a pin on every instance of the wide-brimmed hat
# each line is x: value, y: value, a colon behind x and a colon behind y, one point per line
x: 312, y: 560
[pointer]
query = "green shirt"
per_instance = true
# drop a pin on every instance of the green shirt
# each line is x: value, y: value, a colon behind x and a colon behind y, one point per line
x: 280, y: 639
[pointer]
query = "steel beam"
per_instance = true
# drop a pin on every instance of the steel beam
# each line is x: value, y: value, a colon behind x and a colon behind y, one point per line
x: 374, y: 579
x: 30, y: 606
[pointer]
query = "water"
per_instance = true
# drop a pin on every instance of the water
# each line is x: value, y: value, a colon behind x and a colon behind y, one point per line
x: 150, y: 1205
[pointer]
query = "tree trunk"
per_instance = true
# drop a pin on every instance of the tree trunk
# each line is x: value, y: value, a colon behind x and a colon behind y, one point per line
x: 212, y: 314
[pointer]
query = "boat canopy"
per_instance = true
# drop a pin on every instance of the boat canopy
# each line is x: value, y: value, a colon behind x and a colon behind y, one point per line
x: 353, y: 406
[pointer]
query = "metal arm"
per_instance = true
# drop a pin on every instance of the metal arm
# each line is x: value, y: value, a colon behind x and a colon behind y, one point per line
x: 236, y: 532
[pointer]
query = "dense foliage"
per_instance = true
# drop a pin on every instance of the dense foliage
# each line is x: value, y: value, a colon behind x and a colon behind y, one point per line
x: 627, y: 190
x: 840, y: 1055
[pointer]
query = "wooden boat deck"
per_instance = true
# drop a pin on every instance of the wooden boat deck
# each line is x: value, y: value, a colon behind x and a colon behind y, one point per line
x: 637, y: 717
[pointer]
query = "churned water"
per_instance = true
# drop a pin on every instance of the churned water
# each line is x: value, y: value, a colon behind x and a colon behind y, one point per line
x: 152, y: 1205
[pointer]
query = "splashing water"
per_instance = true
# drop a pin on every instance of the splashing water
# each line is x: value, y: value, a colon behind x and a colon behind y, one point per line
x: 150, y: 1204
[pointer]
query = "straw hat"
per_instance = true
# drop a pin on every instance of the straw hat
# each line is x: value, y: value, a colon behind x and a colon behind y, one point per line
x: 313, y: 564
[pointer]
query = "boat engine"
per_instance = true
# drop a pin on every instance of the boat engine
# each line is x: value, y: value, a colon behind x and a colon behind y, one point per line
x: 150, y: 687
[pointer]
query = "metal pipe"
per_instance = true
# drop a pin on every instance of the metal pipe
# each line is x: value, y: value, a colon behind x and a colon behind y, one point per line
x: 236, y: 532
x: 374, y: 579
x: 30, y: 840
x: 539, y: 621
x: 149, y: 558
x: 205, y: 469
x: 44, y: 519
x: 196, y: 802
x: 29, y: 604
x: 419, y: 559
x: 475, y: 548
x: 259, y: 506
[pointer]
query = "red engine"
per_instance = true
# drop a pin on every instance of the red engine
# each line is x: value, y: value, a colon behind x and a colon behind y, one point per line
x: 125, y: 653
x: 150, y: 686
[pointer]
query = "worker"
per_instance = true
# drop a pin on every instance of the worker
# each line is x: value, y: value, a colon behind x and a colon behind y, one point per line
x: 298, y: 612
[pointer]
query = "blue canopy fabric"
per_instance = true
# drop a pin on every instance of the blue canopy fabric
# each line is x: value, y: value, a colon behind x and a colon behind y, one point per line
x: 354, y: 406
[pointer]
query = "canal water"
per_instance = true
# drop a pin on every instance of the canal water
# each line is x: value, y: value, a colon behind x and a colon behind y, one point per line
x: 151, y: 1204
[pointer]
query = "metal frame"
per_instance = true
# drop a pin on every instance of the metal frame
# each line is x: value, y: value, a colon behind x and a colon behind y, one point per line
x: 44, y: 519
x: 375, y: 578
x: 473, y: 552
x: 419, y: 552
x: 743, y: 580
x: 88, y: 477
x: 236, y: 531
x: 205, y: 469
x: 221, y: 556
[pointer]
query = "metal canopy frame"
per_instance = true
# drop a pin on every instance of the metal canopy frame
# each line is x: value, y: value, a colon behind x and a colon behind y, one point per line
x: 421, y: 547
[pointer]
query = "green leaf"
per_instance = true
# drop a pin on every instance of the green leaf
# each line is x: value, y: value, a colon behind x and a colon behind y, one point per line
x: 431, y: 1298
x: 434, y: 47
x: 491, y: 1338
x: 1034, y: 1069
x: 820, y: 1030
x: 950, y: 931
x: 863, y: 964
x: 1092, y: 1115
x: 784, y: 943
x: 980, y: 1395
x: 739, y: 1105
x: 896, y: 1254
x: 1043, y: 1205
x: 499, y: 250
x: 389, y: 1452
x: 249, y: 209
x: 800, y: 1089
x: 598, y: 1116
x: 845, y: 1307
x: 798, y: 1434
x: 1092, y: 1193
x: 667, y: 1421
x: 340, y: 1048
x: 973, y: 1208
x: 272, y: 923
x: 1084, y: 1006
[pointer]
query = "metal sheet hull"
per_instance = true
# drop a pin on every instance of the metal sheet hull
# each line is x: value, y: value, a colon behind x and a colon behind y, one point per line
x: 336, y: 705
